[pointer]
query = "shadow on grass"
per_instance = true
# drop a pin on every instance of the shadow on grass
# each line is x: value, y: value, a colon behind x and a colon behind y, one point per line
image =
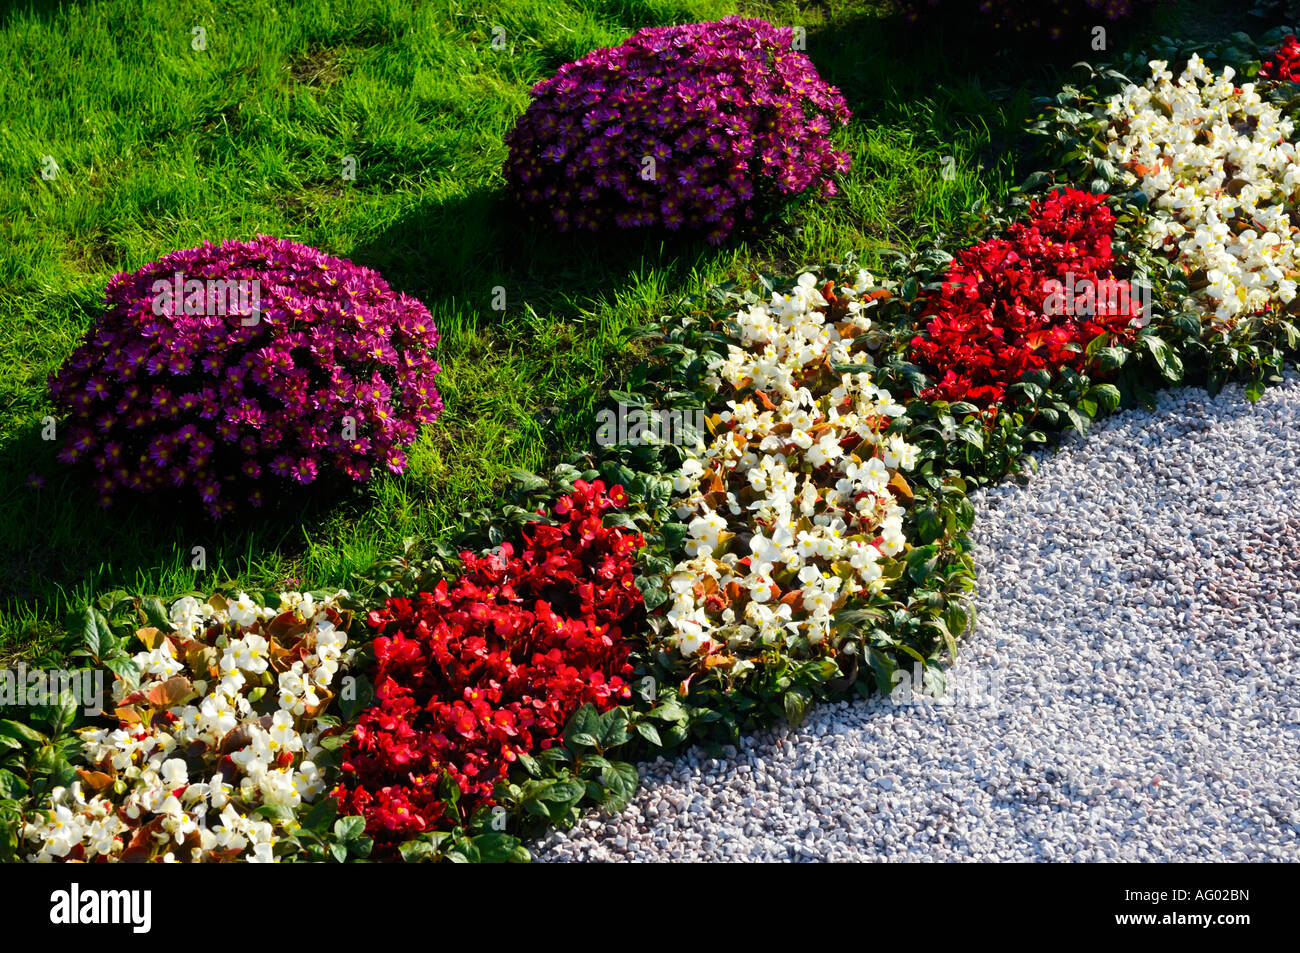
x: 58, y: 542
x: 456, y: 252
x: 494, y: 281
x: 33, y: 9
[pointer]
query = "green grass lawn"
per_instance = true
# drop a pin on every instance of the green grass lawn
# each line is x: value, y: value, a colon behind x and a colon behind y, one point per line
x: 161, y: 146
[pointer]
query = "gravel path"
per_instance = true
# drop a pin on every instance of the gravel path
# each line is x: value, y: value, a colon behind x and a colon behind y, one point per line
x: 1130, y: 692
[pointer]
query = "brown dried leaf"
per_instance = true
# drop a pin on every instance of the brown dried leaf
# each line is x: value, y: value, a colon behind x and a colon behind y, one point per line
x: 902, y: 487
x: 94, y: 781
x: 175, y: 691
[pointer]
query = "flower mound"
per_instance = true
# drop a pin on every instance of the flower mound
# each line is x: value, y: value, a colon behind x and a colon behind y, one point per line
x: 687, y: 127
x: 1220, y: 169
x: 218, y: 367
x: 1032, y: 300
x: 492, y: 665
x: 222, y: 723
x: 789, y: 508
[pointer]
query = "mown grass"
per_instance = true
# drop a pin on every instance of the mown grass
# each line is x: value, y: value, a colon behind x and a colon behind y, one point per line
x: 161, y: 146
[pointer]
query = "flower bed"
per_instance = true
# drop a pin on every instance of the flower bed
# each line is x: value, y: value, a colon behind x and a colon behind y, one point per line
x: 473, y: 674
x: 1202, y: 166
x: 1030, y: 301
x: 810, y: 565
x: 790, y: 508
x: 215, y: 747
x: 1219, y: 167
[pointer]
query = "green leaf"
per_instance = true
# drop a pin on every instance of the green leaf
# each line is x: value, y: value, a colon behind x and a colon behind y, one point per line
x: 349, y: 828
x: 971, y: 436
x: 20, y: 732
x: 1171, y: 366
x: 595, y: 761
x: 650, y: 733
x: 563, y: 791
x: 618, y: 521
x: 883, y: 667
x: 321, y: 815
x: 929, y: 524
x: 674, y: 534
x: 613, y: 728
x: 921, y: 561
x: 620, y: 780
x: 1078, y: 420
x: 1034, y: 180
x: 956, y: 618
x: 796, y: 704
x: 583, y: 729
x: 415, y: 851
x: 89, y: 626
x: 528, y: 482
x: 156, y: 614
x: 1107, y: 395
x: 274, y: 812
x: 64, y: 713
x: 864, y: 616
x: 950, y: 643
x: 124, y: 667
x: 496, y: 847
x: 653, y: 592
x: 1189, y: 323
x: 1111, y: 358
x: 12, y: 787
x: 671, y: 710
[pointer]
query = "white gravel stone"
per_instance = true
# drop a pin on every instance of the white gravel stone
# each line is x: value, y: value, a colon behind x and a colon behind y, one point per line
x: 1130, y: 692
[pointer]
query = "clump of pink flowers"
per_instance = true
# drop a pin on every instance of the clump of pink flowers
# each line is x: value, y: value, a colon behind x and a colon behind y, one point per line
x: 695, y: 127
x: 236, y: 370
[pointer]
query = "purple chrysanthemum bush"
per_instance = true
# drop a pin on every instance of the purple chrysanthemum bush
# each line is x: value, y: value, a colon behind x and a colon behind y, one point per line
x: 240, y: 369
x: 696, y: 127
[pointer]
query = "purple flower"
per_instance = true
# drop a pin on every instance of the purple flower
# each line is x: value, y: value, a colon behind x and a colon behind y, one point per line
x: 270, y: 392
x: 743, y: 117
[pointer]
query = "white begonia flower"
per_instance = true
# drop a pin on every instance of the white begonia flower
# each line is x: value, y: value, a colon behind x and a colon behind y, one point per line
x: 1176, y: 140
x: 174, y: 773
x: 898, y: 453
x: 251, y: 654
x: 771, y: 460
x: 219, y: 716
x: 283, y: 736
x: 243, y: 611
x: 309, y: 782
x: 143, y: 754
